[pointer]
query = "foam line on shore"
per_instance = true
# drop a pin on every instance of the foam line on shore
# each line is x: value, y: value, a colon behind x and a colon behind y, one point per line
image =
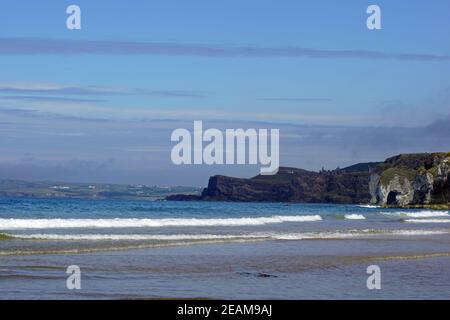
x: 343, y: 234
x: 427, y: 220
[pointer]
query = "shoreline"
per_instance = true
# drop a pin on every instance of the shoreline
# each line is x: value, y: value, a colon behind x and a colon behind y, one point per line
x: 223, y: 271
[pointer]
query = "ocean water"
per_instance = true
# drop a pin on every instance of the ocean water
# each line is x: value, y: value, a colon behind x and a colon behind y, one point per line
x: 161, y: 249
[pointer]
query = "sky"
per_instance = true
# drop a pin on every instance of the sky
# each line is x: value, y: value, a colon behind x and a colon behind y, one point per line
x: 99, y: 104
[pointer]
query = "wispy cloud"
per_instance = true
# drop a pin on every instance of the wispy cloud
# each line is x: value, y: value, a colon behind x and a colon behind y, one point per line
x: 56, y: 89
x: 105, y: 113
x: 52, y: 99
x: 283, y: 99
x: 43, y: 46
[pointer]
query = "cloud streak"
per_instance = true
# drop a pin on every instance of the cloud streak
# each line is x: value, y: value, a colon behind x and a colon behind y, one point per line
x: 43, y: 46
x: 51, y: 99
x: 281, y: 99
x: 94, y: 91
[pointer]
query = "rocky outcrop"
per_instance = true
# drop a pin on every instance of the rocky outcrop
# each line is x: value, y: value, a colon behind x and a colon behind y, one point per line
x: 349, y: 185
x: 399, y: 190
x: 422, y: 188
x: 406, y: 180
x: 412, y: 180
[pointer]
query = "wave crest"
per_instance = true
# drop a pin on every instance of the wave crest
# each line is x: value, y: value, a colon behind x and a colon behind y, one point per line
x: 428, y: 220
x: 419, y: 214
x: 339, y: 234
x: 20, y: 224
x: 354, y: 217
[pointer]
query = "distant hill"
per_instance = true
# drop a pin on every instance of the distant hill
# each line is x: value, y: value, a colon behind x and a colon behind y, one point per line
x: 406, y: 180
x: 64, y: 190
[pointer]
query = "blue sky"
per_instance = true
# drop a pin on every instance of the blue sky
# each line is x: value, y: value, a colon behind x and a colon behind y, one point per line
x: 311, y: 68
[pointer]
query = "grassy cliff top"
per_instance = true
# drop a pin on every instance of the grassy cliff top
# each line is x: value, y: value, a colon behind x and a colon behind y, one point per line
x: 416, y: 160
x: 408, y: 165
x: 389, y: 174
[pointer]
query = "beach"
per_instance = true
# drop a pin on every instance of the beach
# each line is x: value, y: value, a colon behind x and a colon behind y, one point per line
x: 216, y: 250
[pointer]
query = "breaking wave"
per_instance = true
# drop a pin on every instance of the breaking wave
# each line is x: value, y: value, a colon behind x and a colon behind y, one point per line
x: 419, y: 214
x: 345, y: 234
x: 118, y: 237
x: 428, y: 220
x: 20, y: 224
x: 354, y: 217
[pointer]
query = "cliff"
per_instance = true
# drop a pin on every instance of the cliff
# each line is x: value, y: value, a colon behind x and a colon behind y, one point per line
x: 412, y: 180
x: 349, y: 185
x: 406, y: 180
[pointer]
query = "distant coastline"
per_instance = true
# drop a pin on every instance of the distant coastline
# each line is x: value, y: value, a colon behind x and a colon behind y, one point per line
x: 419, y: 180
x: 92, y: 191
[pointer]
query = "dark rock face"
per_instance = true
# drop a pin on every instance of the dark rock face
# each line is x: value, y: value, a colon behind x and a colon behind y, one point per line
x: 291, y: 185
x: 184, y: 197
x: 406, y: 180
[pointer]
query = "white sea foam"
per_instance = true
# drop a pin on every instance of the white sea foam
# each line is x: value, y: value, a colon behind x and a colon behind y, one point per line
x: 419, y: 214
x: 368, y: 206
x: 354, y: 217
x: 418, y: 232
x: 118, y: 237
x: 20, y: 224
x: 428, y: 220
x: 366, y: 233
x: 315, y: 236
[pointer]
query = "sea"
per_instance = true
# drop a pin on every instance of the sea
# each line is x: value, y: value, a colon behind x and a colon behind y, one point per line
x: 220, y: 250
